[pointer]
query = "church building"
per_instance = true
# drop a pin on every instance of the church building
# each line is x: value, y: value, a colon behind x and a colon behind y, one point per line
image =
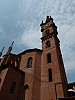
x: 35, y: 74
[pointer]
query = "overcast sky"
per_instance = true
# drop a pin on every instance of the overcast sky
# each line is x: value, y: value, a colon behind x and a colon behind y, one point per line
x: 20, y: 21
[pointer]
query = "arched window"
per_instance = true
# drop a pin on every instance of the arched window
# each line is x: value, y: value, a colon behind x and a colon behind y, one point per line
x: 48, y: 58
x: 47, y: 32
x: 12, y: 89
x: 50, y: 74
x: 11, y: 61
x: 15, y: 63
x: 26, y: 87
x: 29, y: 63
x: 47, y: 44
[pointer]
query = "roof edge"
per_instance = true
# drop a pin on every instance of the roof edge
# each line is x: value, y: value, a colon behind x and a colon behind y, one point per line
x: 30, y: 50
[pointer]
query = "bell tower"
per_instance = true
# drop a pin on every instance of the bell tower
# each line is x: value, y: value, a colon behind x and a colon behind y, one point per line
x: 53, y: 77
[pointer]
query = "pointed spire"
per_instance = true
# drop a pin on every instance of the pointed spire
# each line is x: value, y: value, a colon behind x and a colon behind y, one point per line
x: 47, y: 19
x: 42, y: 21
x: 10, y: 48
x: 5, y: 58
x: 1, y: 52
x: 51, y: 18
x: 12, y: 44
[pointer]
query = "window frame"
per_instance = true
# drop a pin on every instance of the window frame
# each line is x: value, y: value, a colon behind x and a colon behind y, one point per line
x: 29, y: 62
x: 50, y: 75
x: 48, y: 44
x: 48, y: 58
x: 47, y: 32
x: 13, y: 86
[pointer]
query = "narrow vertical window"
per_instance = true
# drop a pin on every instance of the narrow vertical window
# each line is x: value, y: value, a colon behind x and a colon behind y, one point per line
x: 29, y: 63
x: 11, y: 61
x: 48, y: 58
x: 15, y: 63
x: 47, y: 44
x: 12, y: 89
x: 50, y: 74
x: 0, y: 79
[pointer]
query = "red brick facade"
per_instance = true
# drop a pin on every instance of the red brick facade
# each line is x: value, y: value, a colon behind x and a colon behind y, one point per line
x: 39, y: 74
x: 57, y: 88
